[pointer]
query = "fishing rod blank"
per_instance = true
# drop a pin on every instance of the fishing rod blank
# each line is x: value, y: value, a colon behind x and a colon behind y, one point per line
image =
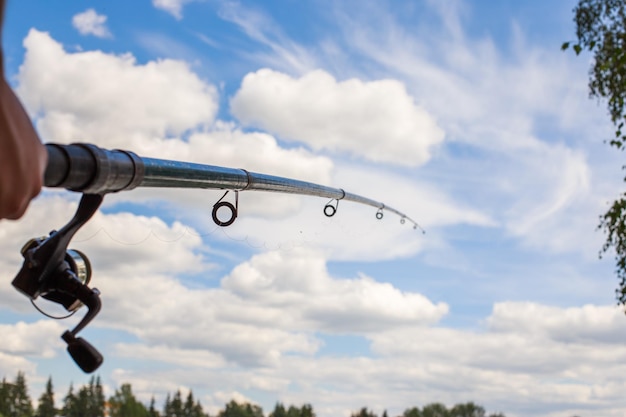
x: 92, y: 170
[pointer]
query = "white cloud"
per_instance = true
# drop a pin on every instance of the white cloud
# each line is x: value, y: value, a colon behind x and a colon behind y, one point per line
x: 109, y: 98
x: 284, y: 53
x: 173, y: 7
x: 260, y: 333
x: 354, y: 233
x: 146, y: 104
x: 512, y: 368
x: 90, y: 22
x: 135, y: 259
x: 522, y: 140
x: 12, y: 364
x: 376, y: 120
x: 471, y: 85
x: 266, y: 323
x: 298, y: 281
x: 553, y: 190
x: 526, y: 352
x: 588, y: 323
x: 165, y: 46
x: 196, y: 358
x: 23, y: 345
x: 114, y: 102
x: 31, y: 339
x: 244, y: 321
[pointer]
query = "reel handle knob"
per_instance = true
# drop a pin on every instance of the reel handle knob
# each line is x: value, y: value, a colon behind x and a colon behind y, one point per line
x: 84, y: 354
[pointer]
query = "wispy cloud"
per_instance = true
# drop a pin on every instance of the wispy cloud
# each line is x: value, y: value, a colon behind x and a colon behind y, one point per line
x: 173, y: 7
x: 494, y: 105
x: 284, y: 53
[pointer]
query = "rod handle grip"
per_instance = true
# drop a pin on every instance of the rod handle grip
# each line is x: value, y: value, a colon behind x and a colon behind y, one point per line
x: 92, y: 170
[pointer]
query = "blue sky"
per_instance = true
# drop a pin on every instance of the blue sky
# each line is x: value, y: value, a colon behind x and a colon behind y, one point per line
x: 463, y: 114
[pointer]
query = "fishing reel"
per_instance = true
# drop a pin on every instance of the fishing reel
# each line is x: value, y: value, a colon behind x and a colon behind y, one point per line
x: 62, y: 275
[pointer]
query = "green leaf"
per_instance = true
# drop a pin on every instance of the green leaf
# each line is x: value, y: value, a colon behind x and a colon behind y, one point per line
x: 564, y: 46
x: 577, y: 48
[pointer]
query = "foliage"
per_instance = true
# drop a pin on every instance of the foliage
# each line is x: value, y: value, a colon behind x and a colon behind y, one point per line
x: 306, y: 410
x: 435, y: 410
x: 152, y: 411
x: 412, y: 412
x: 192, y: 408
x: 173, y: 407
x: 364, y: 412
x: 68, y: 403
x: 124, y: 404
x: 601, y: 30
x: 46, y: 406
x: 279, y: 411
x: 614, y: 224
x: 5, y: 397
x: 14, y: 399
x: 234, y: 409
x: 468, y: 409
x: 22, y: 404
x: 90, y: 401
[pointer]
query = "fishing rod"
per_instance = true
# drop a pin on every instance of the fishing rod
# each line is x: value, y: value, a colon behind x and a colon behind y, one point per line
x: 62, y: 275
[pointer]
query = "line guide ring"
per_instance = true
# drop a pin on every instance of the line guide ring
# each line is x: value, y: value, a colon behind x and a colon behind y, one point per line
x: 233, y: 210
x: 329, y: 209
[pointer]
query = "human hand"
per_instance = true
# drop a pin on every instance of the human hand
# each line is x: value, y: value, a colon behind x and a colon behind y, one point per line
x: 23, y: 157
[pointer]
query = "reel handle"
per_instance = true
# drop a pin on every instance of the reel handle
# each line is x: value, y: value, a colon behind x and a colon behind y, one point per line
x: 55, y: 273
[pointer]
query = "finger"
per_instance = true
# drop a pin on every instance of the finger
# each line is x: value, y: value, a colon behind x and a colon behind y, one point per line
x: 15, y: 209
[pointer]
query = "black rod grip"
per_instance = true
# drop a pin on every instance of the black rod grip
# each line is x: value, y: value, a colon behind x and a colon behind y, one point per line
x: 92, y: 170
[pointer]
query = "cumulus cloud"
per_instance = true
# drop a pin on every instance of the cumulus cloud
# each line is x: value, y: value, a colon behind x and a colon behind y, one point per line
x: 25, y: 343
x: 588, y: 323
x: 12, y: 364
x: 115, y: 102
x: 299, y: 282
x: 556, y: 355
x: 196, y: 358
x: 244, y: 321
x: 267, y: 320
x: 375, y: 120
x: 90, y: 22
x: 506, y: 367
x: 31, y: 339
x: 136, y: 260
x: 102, y: 95
x: 147, y: 107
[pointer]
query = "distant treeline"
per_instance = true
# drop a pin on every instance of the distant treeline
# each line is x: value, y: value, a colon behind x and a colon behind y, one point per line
x: 89, y: 400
